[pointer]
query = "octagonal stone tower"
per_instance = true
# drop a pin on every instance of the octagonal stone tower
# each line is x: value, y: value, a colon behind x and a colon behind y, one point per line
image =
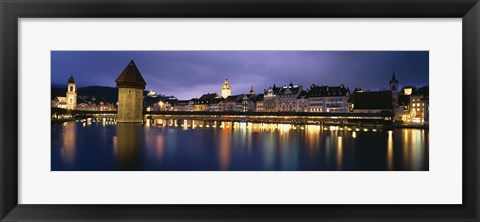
x: 131, y: 85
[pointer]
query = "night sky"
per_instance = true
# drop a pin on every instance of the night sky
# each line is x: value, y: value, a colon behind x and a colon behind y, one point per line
x: 188, y: 74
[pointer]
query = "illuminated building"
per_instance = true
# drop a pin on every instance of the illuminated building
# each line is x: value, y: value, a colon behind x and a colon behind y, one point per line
x: 419, y: 107
x: 287, y: 98
x: 59, y: 102
x: 152, y: 94
x: 269, y: 99
x: 302, y: 102
x: 407, y: 90
x: 328, y: 99
x: 226, y: 89
x: 130, y: 84
x: 71, y: 93
x: 183, y: 105
x: 70, y: 99
x: 244, y: 105
x: 203, y: 103
x: 237, y: 103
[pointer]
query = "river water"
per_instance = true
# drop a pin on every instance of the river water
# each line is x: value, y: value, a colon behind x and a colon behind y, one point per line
x: 235, y: 146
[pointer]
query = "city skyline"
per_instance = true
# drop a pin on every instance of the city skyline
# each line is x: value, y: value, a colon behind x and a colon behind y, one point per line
x: 189, y: 74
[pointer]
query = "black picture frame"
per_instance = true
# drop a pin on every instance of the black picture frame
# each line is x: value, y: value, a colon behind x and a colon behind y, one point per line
x: 11, y: 11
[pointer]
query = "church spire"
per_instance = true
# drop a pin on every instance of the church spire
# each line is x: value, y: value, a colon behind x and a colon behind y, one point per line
x: 252, y: 91
x: 71, y: 79
x: 393, y: 74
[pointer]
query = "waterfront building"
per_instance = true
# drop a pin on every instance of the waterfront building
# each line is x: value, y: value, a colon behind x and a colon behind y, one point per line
x: 183, y: 105
x: 99, y: 105
x: 84, y: 106
x: 237, y: 103
x: 259, y: 103
x: 230, y: 103
x: 216, y: 104
x: 244, y: 104
x: 419, y: 106
x: 226, y: 89
x: 161, y: 106
x: 71, y: 93
x: 287, y: 98
x: 302, y: 102
x: 269, y: 99
x: 130, y: 84
x: 328, y: 98
x: 203, y: 103
x: 69, y: 101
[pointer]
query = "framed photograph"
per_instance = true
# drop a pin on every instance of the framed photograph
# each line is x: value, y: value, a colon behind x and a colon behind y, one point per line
x: 208, y: 110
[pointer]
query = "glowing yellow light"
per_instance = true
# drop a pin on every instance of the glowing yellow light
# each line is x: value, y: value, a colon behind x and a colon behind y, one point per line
x: 365, y: 129
x: 354, y: 134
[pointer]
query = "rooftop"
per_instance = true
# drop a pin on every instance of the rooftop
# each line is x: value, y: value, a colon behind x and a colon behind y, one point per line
x: 131, y: 77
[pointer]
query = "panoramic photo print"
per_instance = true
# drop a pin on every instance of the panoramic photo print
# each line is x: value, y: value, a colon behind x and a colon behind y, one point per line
x: 239, y: 110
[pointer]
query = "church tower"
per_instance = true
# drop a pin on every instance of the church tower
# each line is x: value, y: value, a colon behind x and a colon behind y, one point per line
x: 252, y: 91
x: 394, y: 90
x: 71, y: 93
x: 131, y: 85
x: 226, y: 89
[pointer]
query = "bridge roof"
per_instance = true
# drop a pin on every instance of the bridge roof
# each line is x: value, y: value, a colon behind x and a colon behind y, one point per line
x: 131, y: 77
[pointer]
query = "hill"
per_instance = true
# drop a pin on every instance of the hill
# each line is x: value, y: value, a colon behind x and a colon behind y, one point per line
x: 105, y: 93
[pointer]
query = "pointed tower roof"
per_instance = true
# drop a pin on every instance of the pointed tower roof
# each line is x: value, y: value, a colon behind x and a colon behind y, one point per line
x: 393, y: 74
x: 131, y: 77
x: 252, y: 91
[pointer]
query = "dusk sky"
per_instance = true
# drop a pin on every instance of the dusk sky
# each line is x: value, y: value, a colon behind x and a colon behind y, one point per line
x: 189, y: 74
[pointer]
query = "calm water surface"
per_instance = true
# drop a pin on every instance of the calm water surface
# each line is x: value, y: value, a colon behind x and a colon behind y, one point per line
x: 235, y: 146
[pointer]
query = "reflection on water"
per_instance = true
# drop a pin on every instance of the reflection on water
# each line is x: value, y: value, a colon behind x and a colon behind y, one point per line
x: 214, y: 145
x: 390, y: 150
x: 128, y: 145
x: 68, y: 148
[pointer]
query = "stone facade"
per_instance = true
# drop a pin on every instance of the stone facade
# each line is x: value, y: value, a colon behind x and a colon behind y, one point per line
x: 130, y: 86
x: 130, y: 105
